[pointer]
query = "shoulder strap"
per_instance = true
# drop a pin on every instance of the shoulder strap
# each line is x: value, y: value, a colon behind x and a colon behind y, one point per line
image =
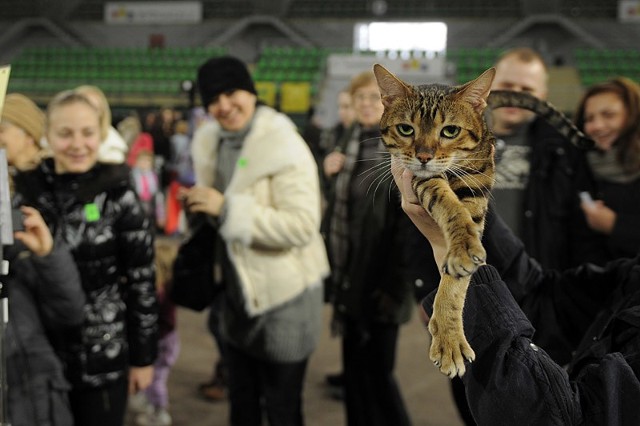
x: 341, y: 144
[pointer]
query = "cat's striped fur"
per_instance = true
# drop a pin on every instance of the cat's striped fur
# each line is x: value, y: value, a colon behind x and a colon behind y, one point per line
x: 439, y: 133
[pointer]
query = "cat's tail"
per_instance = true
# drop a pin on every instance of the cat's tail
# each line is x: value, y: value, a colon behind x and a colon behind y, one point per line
x: 559, y: 121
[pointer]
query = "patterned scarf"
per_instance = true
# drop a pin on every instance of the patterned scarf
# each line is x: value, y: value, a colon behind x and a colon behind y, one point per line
x: 606, y: 166
x: 339, y: 226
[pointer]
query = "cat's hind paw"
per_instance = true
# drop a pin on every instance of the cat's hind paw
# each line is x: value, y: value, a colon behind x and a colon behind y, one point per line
x: 449, y: 350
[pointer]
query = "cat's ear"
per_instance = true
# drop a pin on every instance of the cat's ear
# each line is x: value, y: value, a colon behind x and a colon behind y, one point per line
x: 476, y: 92
x: 391, y: 87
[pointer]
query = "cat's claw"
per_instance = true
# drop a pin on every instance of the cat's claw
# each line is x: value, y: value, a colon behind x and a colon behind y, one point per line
x: 463, y: 261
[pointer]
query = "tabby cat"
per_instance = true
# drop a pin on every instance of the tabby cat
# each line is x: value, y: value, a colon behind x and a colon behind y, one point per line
x: 439, y: 133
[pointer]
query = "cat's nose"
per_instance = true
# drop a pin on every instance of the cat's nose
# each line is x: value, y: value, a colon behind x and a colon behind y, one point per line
x: 424, y: 157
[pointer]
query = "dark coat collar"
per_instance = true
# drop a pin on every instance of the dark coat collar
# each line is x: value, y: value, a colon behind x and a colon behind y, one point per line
x: 85, y: 186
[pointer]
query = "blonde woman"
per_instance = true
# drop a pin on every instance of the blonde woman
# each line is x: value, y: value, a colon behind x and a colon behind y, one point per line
x: 92, y: 207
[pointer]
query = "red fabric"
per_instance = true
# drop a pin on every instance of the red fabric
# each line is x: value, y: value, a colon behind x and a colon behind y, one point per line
x: 173, y: 209
x: 144, y: 141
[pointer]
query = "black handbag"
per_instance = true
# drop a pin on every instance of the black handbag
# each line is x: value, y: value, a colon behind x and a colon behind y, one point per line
x: 193, y: 285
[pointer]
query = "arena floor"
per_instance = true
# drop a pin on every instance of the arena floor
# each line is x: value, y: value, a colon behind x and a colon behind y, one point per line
x: 425, y: 390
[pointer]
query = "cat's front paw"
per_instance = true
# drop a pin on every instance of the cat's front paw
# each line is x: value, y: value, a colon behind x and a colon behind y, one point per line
x: 464, y: 258
x: 449, y: 348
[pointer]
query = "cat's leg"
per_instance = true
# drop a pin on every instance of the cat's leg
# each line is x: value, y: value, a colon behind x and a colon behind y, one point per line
x: 449, y: 347
x: 462, y: 234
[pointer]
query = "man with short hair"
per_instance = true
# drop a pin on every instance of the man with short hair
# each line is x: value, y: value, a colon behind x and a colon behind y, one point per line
x: 536, y: 167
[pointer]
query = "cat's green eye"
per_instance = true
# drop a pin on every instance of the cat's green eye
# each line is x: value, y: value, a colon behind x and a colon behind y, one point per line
x: 404, y: 129
x: 450, y: 131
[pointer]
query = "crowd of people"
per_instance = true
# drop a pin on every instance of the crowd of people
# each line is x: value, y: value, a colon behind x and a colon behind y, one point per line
x: 299, y: 225
x: 84, y: 313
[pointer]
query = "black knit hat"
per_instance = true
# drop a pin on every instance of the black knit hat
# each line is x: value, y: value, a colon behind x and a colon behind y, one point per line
x: 222, y: 74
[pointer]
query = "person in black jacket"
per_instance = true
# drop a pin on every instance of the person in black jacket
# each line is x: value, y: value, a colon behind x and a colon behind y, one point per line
x: 44, y: 295
x: 93, y: 208
x: 609, y: 112
x: 593, y: 311
x: 538, y: 173
x: 538, y: 176
x: 371, y: 290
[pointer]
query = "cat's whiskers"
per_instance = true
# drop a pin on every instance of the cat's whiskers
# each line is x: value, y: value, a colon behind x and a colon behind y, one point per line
x: 379, y: 179
x: 371, y: 139
x: 381, y: 163
x: 468, y: 178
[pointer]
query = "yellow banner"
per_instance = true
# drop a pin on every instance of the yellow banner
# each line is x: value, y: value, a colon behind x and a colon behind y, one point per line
x: 295, y: 97
x: 266, y: 92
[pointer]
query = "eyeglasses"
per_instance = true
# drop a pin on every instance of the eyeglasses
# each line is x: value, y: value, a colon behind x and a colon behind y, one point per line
x: 371, y: 97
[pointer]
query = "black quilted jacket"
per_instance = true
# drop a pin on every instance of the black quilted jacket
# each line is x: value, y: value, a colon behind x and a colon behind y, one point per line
x: 99, y: 216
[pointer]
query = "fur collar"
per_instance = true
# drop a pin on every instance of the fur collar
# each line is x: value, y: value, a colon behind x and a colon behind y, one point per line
x: 269, y: 147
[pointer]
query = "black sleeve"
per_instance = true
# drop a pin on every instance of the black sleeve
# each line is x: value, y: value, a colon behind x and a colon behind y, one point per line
x: 507, y: 254
x: 560, y: 305
x: 58, y: 288
x: 514, y: 374
x: 136, y: 251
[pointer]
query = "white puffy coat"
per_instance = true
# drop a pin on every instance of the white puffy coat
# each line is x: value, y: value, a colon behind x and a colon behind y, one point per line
x: 272, y: 220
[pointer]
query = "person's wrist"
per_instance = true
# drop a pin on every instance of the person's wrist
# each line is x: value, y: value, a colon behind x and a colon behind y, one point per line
x: 439, y: 254
x: 43, y: 251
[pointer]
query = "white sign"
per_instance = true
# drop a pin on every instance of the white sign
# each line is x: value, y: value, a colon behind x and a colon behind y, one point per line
x: 167, y: 12
x: 5, y: 70
x: 629, y: 11
x: 412, y: 69
x: 6, y: 228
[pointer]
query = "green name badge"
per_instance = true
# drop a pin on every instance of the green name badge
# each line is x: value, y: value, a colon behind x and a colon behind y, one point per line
x: 91, y: 212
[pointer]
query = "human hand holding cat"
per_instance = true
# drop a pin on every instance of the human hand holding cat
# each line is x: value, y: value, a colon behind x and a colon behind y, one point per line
x: 449, y: 348
x: 418, y: 215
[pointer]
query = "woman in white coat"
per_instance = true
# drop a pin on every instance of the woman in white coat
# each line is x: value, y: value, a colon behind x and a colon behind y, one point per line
x: 257, y: 181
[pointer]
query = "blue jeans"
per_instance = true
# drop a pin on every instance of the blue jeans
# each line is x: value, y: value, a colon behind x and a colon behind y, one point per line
x: 255, y: 384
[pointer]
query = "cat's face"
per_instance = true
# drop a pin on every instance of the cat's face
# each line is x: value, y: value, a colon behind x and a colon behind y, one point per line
x: 434, y: 128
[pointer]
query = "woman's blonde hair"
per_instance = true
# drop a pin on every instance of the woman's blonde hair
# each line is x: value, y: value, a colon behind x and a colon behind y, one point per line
x: 94, y: 92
